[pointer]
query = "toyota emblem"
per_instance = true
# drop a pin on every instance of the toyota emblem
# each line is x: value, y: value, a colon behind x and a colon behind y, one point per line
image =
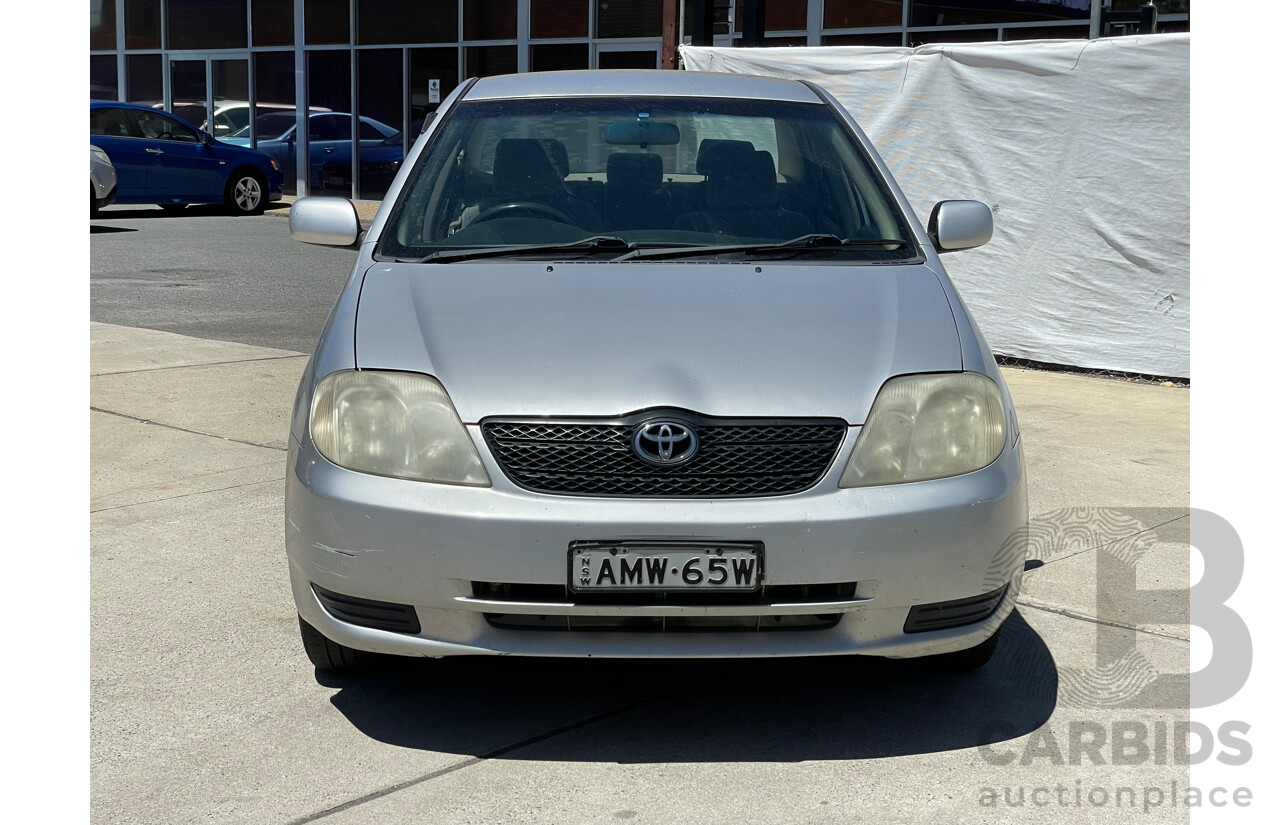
x: 665, y: 443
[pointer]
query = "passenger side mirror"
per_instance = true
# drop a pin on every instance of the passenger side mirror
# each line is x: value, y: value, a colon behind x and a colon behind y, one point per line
x: 324, y: 221
x: 957, y: 225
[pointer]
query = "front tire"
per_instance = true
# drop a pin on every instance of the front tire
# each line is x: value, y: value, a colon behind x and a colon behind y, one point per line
x: 963, y: 661
x: 330, y: 656
x: 246, y: 193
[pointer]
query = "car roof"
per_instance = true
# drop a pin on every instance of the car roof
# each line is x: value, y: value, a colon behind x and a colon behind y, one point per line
x: 640, y: 82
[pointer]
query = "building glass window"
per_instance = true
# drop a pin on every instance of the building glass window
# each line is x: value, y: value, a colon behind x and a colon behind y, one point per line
x: 489, y: 19
x: 855, y: 14
x: 103, y: 84
x: 550, y: 57
x: 426, y: 65
x: 1047, y: 33
x: 559, y: 18
x: 643, y: 59
x: 328, y: 22
x: 208, y: 24
x: 381, y: 84
x: 628, y: 18
x: 483, y: 61
x: 391, y: 22
x: 141, y: 24
x: 272, y: 22
x: 976, y: 12
x: 102, y: 25
x: 143, y: 74
x: 920, y: 38
x: 1162, y: 6
x: 786, y: 15
x: 886, y: 39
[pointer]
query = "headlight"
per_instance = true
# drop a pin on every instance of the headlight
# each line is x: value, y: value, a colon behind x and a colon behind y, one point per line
x: 923, y: 427
x: 396, y: 424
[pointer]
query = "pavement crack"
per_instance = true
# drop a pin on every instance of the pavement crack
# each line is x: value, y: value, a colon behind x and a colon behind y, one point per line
x: 179, y: 495
x: 185, y: 430
x: 288, y: 357
x: 1073, y: 614
x: 1056, y: 559
x: 493, y: 754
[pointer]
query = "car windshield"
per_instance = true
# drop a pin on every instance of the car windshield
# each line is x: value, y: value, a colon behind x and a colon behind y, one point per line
x: 713, y: 176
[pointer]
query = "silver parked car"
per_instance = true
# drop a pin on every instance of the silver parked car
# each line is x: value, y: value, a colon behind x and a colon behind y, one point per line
x: 650, y: 364
x: 102, y: 180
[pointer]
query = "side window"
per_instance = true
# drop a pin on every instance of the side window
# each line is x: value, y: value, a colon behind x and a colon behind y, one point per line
x: 108, y: 122
x: 156, y: 126
x: 331, y: 127
x: 369, y: 132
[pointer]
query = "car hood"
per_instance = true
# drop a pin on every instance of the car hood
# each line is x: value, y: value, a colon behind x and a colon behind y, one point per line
x: 603, y: 339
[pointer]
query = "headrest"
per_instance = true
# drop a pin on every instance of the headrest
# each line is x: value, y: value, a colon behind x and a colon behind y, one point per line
x: 634, y: 170
x: 558, y: 154
x: 714, y: 154
x: 527, y: 167
x: 751, y: 184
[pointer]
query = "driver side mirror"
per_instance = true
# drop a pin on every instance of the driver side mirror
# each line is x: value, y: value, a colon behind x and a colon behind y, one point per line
x: 324, y: 221
x: 957, y: 225
x: 206, y: 139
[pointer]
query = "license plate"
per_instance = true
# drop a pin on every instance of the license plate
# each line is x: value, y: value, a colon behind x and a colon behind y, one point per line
x: 644, y: 566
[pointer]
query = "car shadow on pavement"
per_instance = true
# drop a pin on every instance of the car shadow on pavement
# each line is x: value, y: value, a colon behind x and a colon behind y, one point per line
x: 99, y: 229
x: 637, y: 711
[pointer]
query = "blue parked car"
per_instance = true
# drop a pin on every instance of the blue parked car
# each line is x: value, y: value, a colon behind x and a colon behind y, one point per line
x: 163, y: 159
x: 329, y: 134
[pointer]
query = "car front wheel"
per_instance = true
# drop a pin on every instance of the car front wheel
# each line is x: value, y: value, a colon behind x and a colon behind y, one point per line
x: 246, y: 193
x: 962, y: 661
x: 328, y: 655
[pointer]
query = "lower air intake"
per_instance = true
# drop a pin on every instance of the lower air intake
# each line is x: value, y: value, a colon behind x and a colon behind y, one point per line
x: 398, y: 618
x: 941, y: 615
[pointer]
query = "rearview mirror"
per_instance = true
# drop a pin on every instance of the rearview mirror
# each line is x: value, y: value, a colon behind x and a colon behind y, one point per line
x: 324, y: 221
x: 642, y: 133
x: 957, y: 225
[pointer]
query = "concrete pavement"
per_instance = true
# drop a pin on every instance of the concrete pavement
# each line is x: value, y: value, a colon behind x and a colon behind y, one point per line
x: 204, y: 708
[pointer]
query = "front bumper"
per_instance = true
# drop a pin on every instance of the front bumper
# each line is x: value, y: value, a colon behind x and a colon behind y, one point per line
x: 424, y: 545
x: 107, y: 199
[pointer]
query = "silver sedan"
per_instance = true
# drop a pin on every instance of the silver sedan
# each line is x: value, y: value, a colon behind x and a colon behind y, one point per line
x: 650, y: 364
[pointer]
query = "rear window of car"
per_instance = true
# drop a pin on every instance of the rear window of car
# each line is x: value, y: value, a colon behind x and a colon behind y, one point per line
x: 108, y: 122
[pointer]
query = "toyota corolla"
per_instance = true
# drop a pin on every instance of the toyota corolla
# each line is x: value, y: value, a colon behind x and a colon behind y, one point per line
x: 650, y: 364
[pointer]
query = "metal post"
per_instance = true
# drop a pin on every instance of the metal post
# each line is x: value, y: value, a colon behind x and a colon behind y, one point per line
x: 1095, y: 19
x: 301, y: 142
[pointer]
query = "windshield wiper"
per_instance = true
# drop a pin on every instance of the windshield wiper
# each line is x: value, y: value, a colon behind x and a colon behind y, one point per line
x: 598, y: 243
x: 817, y: 240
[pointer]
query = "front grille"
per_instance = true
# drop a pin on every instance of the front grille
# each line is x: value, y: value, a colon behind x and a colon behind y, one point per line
x: 663, y: 624
x: 767, y: 594
x: 748, y: 457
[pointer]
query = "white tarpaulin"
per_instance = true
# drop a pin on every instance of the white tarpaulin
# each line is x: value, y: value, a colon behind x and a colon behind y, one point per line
x: 1082, y: 148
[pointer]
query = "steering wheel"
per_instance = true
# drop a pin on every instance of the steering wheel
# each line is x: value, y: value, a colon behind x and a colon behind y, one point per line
x: 504, y: 210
